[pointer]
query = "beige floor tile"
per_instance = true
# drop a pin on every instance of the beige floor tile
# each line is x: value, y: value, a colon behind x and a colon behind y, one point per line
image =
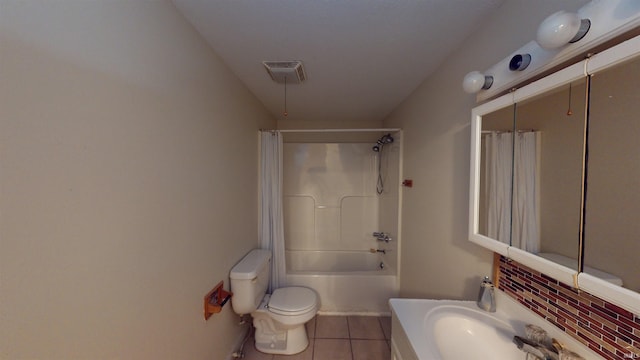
x: 385, y: 321
x: 365, y: 327
x: 250, y: 352
x: 370, y: 350
x: 307, y: 354
x: 332, y: 349
x: 331, y: 327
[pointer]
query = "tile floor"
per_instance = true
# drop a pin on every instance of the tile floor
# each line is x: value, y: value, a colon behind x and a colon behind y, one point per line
x: 339, y: 338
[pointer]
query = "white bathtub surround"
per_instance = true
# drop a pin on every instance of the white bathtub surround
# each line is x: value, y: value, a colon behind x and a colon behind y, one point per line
x: 271, y: 216
x: 331, y: 210
x: 330, y: 199
x: 410, y: 316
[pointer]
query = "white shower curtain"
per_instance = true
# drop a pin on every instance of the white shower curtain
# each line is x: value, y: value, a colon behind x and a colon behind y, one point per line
x: 271, y: 216
x: 498, y: 150
x: 512, y: 219
x: 525, y: 232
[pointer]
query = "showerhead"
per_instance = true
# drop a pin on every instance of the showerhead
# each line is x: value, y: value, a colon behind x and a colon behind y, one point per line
x: 387, y: 139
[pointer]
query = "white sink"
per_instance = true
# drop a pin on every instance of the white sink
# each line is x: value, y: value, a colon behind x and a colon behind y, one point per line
x: 458, y: 332
x: 455, y: 330
x: 426, y: 329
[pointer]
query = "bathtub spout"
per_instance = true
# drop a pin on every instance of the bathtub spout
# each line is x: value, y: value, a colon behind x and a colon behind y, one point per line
x: 383, y: 251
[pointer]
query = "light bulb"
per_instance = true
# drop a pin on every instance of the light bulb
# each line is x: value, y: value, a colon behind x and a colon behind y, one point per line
x: 560, y: 29
x: 476, y: 81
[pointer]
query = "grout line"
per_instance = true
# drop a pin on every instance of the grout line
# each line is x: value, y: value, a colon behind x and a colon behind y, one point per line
x: 349, y: 334
x: 381, y: 328
x: 387, y: 337
x: 350, y: 339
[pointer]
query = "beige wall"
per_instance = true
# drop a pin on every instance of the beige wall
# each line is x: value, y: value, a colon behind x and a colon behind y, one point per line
x: 437, y: 259
x: 128, y: 182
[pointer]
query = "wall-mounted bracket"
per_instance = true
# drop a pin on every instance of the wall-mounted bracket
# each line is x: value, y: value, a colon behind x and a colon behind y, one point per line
x: 215, y: 300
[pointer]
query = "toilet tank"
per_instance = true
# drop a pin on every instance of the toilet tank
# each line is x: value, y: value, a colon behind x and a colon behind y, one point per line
x: 249, y: 281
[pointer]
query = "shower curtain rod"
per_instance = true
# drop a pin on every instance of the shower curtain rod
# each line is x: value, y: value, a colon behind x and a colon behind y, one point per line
x: 332, y: 130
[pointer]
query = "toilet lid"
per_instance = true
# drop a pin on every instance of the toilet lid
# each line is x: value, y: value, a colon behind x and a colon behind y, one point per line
x: 292, y: 300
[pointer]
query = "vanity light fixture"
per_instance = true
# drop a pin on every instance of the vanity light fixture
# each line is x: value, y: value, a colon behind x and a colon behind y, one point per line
x: 519, y: 62
x: 476, y: 81
x: 560, y: 29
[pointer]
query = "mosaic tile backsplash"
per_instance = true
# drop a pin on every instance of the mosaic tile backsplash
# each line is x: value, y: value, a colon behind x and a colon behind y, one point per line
x: 610, y: 331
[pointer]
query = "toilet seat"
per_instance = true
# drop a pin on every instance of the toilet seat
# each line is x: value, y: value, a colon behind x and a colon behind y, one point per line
x: 291, y: 301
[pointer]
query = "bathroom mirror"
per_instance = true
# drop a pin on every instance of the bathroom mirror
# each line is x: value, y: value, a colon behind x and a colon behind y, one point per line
x: 612, y: 205
x: 496, y: 175
x: 539, y: 109
x: 611, y: 208
x: 591, y: 215
x: 536, y: 112
x: 547, y: 170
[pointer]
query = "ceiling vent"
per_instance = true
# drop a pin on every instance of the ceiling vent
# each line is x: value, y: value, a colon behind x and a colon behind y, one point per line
x: 292, y: 71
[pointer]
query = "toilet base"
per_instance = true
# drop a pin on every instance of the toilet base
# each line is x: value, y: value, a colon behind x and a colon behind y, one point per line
x: 285, y: 342
x: 270, y: 340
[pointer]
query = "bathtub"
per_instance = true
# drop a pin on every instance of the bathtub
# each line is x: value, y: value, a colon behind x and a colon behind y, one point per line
x: 348, y: 282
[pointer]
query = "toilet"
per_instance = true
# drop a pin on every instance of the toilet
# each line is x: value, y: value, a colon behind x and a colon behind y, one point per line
x: 279, y: 318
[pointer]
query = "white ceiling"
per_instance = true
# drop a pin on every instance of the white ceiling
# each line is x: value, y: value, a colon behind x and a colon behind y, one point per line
x: 362, y: 57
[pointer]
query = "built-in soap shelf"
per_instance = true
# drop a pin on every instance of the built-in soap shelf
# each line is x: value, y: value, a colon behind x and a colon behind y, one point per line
x: 215, y: 300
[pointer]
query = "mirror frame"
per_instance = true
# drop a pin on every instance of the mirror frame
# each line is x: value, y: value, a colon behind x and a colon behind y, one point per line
x: 613, y: 56
x: 558, y: 79
x: 474, y: 189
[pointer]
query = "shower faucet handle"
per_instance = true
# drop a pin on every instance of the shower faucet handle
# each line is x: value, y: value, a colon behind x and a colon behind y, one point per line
x: 380, y: 236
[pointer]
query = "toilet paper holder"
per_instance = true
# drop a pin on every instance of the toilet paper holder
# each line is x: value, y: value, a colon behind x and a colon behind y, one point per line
x: 215, y: 300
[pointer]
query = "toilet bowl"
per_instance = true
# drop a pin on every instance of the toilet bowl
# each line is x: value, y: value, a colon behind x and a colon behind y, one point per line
x: 279, y: 318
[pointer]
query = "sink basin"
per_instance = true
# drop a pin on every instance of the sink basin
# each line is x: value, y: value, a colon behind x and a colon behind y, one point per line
x: 455, y: 330
x: 429, y: 329
x: 458, y: 332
